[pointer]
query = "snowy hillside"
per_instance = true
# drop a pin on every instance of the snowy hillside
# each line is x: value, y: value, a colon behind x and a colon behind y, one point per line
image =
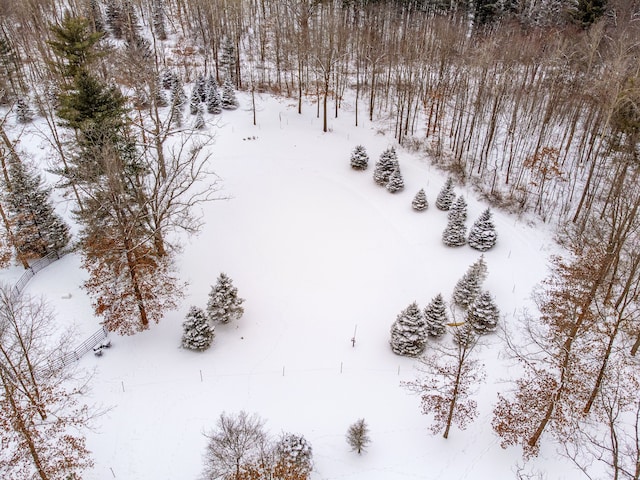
x: 318, y: 251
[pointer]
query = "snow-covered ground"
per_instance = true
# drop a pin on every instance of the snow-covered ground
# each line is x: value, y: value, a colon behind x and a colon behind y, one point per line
x: 316, y: 249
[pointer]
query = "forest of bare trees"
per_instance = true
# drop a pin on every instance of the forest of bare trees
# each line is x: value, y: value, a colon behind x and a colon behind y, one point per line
x: 535, y: 103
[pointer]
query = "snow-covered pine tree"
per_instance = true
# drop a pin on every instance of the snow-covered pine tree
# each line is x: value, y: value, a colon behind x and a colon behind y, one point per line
x: 464, y: 335
x: 396, y: 182
x: 228, y: 60
x: 229, y: 100
x: 160, y: 98
x: 115, y: 18
x: 455, y: 235
x: 200, y: 86
x: 446, y: 196
x: 409, y: 332
x: 166, y: 79
x: 483, y: 235
x: 435, y: 316
x: 385, y: 166
x: 199, y: 122
x: 178, y: 97
x: 458, y: 210
x: 483, y: 314
x: 467, y: 288
x: 420, y: 202
x: 194, y: 101
x: 294, y: 457
x: 358, y: 436
x: 197, y: 332
x: 479, y: 268
x: 214, y: 102
x: 224, y: 304
x: 37, y: 229
x: 94, y: 14
x: 359, y: 158
x: 24, y: 114
x: 158, y: 19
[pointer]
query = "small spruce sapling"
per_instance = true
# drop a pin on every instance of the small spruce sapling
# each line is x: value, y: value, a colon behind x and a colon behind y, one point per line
x: 358, y: 436
x: 420, y: 202
x: 359, y: 158
x: 224, y: 305
x: 197, y: 333
x: 483, y: 314
x: 396, y: 182
x: 483, y: 235
x: 409, y: 332
x: 446, y: 196
x: 435, y: 316
x: 24, y: 114
x: 199, y: 122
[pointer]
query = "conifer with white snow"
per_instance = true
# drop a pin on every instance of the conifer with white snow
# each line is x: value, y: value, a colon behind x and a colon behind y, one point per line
x: 198, y: 333
x: 213, y: 100
x: 37, y: 228
x: 435, y: 316
x: 468, y: 287
x: 24, y: 114
x: 409, y: 332
x: 359, y: 158
x: 396, y: 182
x: 229, y: 100
x: 446, y: 196
x: 224, y: 305
x: 483, y: 235
x: 458, y: 210
x: 420, y: 202
x: 385, y: 166
x: 455, y: 234
x: 483, y: 314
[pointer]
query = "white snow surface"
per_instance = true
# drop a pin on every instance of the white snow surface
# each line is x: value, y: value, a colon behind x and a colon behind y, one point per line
x: 316, y: 249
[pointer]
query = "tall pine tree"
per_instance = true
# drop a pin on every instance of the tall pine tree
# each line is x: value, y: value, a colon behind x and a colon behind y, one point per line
x: 446, y: 196
x: 435, y: 316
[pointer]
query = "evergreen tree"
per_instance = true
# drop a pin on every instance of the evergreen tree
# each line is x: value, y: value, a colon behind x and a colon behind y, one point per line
x: 467, y: 288
x: 479, y: 268
x: 224, y: 305
x: 359, y: 158
x: 166, y: 79
x: 483, y: 314
x: 464, y: 335
x: 115, y: 18
x: 24, y: 114
x: 419, y: 202
x: 483, y: 235
x: 158, y: 19
x: 396, y: 182
x: 229, y: 100
x: 199, y: 122
x: 8, y: 68
x: 435, y: 316
x: 194, y: 102
x: 586, y: 12
x: 200, y: 87
x: 358, y: 436
x: 94, y: 14
x: 458, y: 210
x: 38, y: 230
x: 455, y: 235
x: 446, y: 196
x: 409, y: 332
x: 75, y: 46
x: 385, y: 166
x: 228, y: 60
x: 178, y: 97
x: 198, y: 333
x: 214, y: 102
x: 294, y: 457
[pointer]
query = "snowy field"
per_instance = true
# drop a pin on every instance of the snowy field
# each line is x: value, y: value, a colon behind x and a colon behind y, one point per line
x: 315, y: 248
